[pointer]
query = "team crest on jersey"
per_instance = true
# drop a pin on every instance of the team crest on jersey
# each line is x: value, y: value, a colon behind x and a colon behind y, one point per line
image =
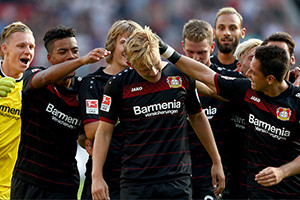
x: 106, y: 102
x: 283, y: 113
x: 91, y: 106
x: 174, y: 81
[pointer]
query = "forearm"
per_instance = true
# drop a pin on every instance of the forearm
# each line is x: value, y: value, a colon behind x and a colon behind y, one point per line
x: 203, y: 130
x: 291, y: 168
x: 55, y: 73
x: 101, y: 145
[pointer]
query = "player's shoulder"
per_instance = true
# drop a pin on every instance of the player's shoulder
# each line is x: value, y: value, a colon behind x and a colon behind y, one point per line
x: 122, y: 75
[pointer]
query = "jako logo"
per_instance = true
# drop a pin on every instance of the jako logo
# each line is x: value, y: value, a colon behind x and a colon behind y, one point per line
x: 136, y: 89
x: 255, y: 99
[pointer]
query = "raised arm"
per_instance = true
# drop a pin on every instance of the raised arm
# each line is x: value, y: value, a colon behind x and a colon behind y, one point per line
x: 189, y: 66
x: 57, y: 72
x: 203, y: 130
x: 101, y: 144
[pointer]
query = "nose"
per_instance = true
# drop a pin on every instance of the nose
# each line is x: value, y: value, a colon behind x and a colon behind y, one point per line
x: 196, y: 57
x: 248, y: 73
x: 70, y: 55
x: 227, y: 31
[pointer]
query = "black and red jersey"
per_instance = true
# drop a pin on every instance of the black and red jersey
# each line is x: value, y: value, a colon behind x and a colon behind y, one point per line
x: 272, y: 125
x: 153, y: 118
x: 50, y: 126
x: 214, y: 59
x: 90, y: 97
x: 219, y: 116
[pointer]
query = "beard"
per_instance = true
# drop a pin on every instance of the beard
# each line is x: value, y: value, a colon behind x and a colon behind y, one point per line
x: 227, y: 48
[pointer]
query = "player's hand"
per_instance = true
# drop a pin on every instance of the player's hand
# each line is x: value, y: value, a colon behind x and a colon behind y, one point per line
x: 295, y: 75
x: 89, y: 146
x: 100, y: 190
x: 269, y: 176
x: 218, y: 178
x: 94, y: 56
x: 6, y: 85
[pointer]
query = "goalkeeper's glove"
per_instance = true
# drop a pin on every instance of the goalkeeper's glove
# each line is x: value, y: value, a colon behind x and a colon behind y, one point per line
x: 6, y: 85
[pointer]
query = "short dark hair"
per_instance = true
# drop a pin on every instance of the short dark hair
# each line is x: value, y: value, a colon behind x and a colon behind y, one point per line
x: 273, y: 61
x: 281, y: 37
x: 56, y: 33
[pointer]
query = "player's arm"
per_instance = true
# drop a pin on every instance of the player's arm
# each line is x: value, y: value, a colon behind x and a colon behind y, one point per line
x: 274, y: 175
x: 101, y: 144
x: 57, y: 72
x: 189, y: 66
x: 203, y: 89
x: 203, y: 130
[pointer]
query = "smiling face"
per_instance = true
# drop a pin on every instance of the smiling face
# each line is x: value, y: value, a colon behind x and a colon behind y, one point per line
x: 228, y: 32
x: 18, y: 52
x: 258, y: 80
x: 64, y: 50
x: 118, y: 54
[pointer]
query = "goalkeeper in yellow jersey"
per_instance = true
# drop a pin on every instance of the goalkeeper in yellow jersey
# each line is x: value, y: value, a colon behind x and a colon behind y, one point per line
x: 17, y: 52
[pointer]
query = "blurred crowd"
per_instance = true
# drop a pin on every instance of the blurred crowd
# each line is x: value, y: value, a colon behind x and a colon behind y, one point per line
x: 93, y: 18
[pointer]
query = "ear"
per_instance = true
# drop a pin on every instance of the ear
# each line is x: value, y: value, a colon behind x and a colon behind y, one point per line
x: 182, y: 44
x: 243, y: 33
x: 214, y: 33
x: 238, y: 66
x: 4, y: 48
x: 212, y: 47
x: 49, y: 58
x: 270, y: 79
x: 293, y: 60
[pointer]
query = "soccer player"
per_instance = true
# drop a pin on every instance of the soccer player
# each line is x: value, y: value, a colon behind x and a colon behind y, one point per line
x: 46, y: 167
x: 244, y: 53
x: 152, y: 101
x: 90, y: 96
x: 17, y: 46
x: 271, y: 107
x: 227, y: 33
x: 285, y: 41
x: 198, y: 44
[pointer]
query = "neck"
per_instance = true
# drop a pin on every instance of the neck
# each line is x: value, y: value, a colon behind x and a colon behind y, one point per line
x: 226, y: 58
x: 276, y: 89
x: 8, y: 71
x: 113, y: 69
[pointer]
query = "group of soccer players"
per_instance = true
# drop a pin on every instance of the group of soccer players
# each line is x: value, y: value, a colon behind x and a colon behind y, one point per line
x: 140, y: 118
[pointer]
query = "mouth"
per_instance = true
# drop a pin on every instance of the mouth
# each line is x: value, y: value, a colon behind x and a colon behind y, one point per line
x: 25, y: 61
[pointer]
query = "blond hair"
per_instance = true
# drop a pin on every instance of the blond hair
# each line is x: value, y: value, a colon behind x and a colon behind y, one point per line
x: 12, y: 28
x: 227, y: 11
x: 118, y: 28
x: 197, y: 30
x: 245, y: 46
x: 142, y: 48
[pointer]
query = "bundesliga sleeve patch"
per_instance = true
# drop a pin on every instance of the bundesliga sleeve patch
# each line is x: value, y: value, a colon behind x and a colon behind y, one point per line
x: 91, y: 106
x: 106, y: 102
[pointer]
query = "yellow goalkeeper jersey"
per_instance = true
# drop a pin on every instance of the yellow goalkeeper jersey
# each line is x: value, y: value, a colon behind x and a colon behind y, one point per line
x: 10, y: 131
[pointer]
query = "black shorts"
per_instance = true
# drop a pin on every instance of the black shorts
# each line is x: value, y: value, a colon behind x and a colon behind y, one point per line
x: 175, y: 189
x: 23, y: 190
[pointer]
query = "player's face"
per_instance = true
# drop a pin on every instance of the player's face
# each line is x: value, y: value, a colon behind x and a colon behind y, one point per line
x: 244, y: 63
x: 119, y: 55
x: 18, y: 50
x: 151, y: 73
x: 64, y: 50
x: 258, y: 80
x: 199, y: 51
x: 228, y: 32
